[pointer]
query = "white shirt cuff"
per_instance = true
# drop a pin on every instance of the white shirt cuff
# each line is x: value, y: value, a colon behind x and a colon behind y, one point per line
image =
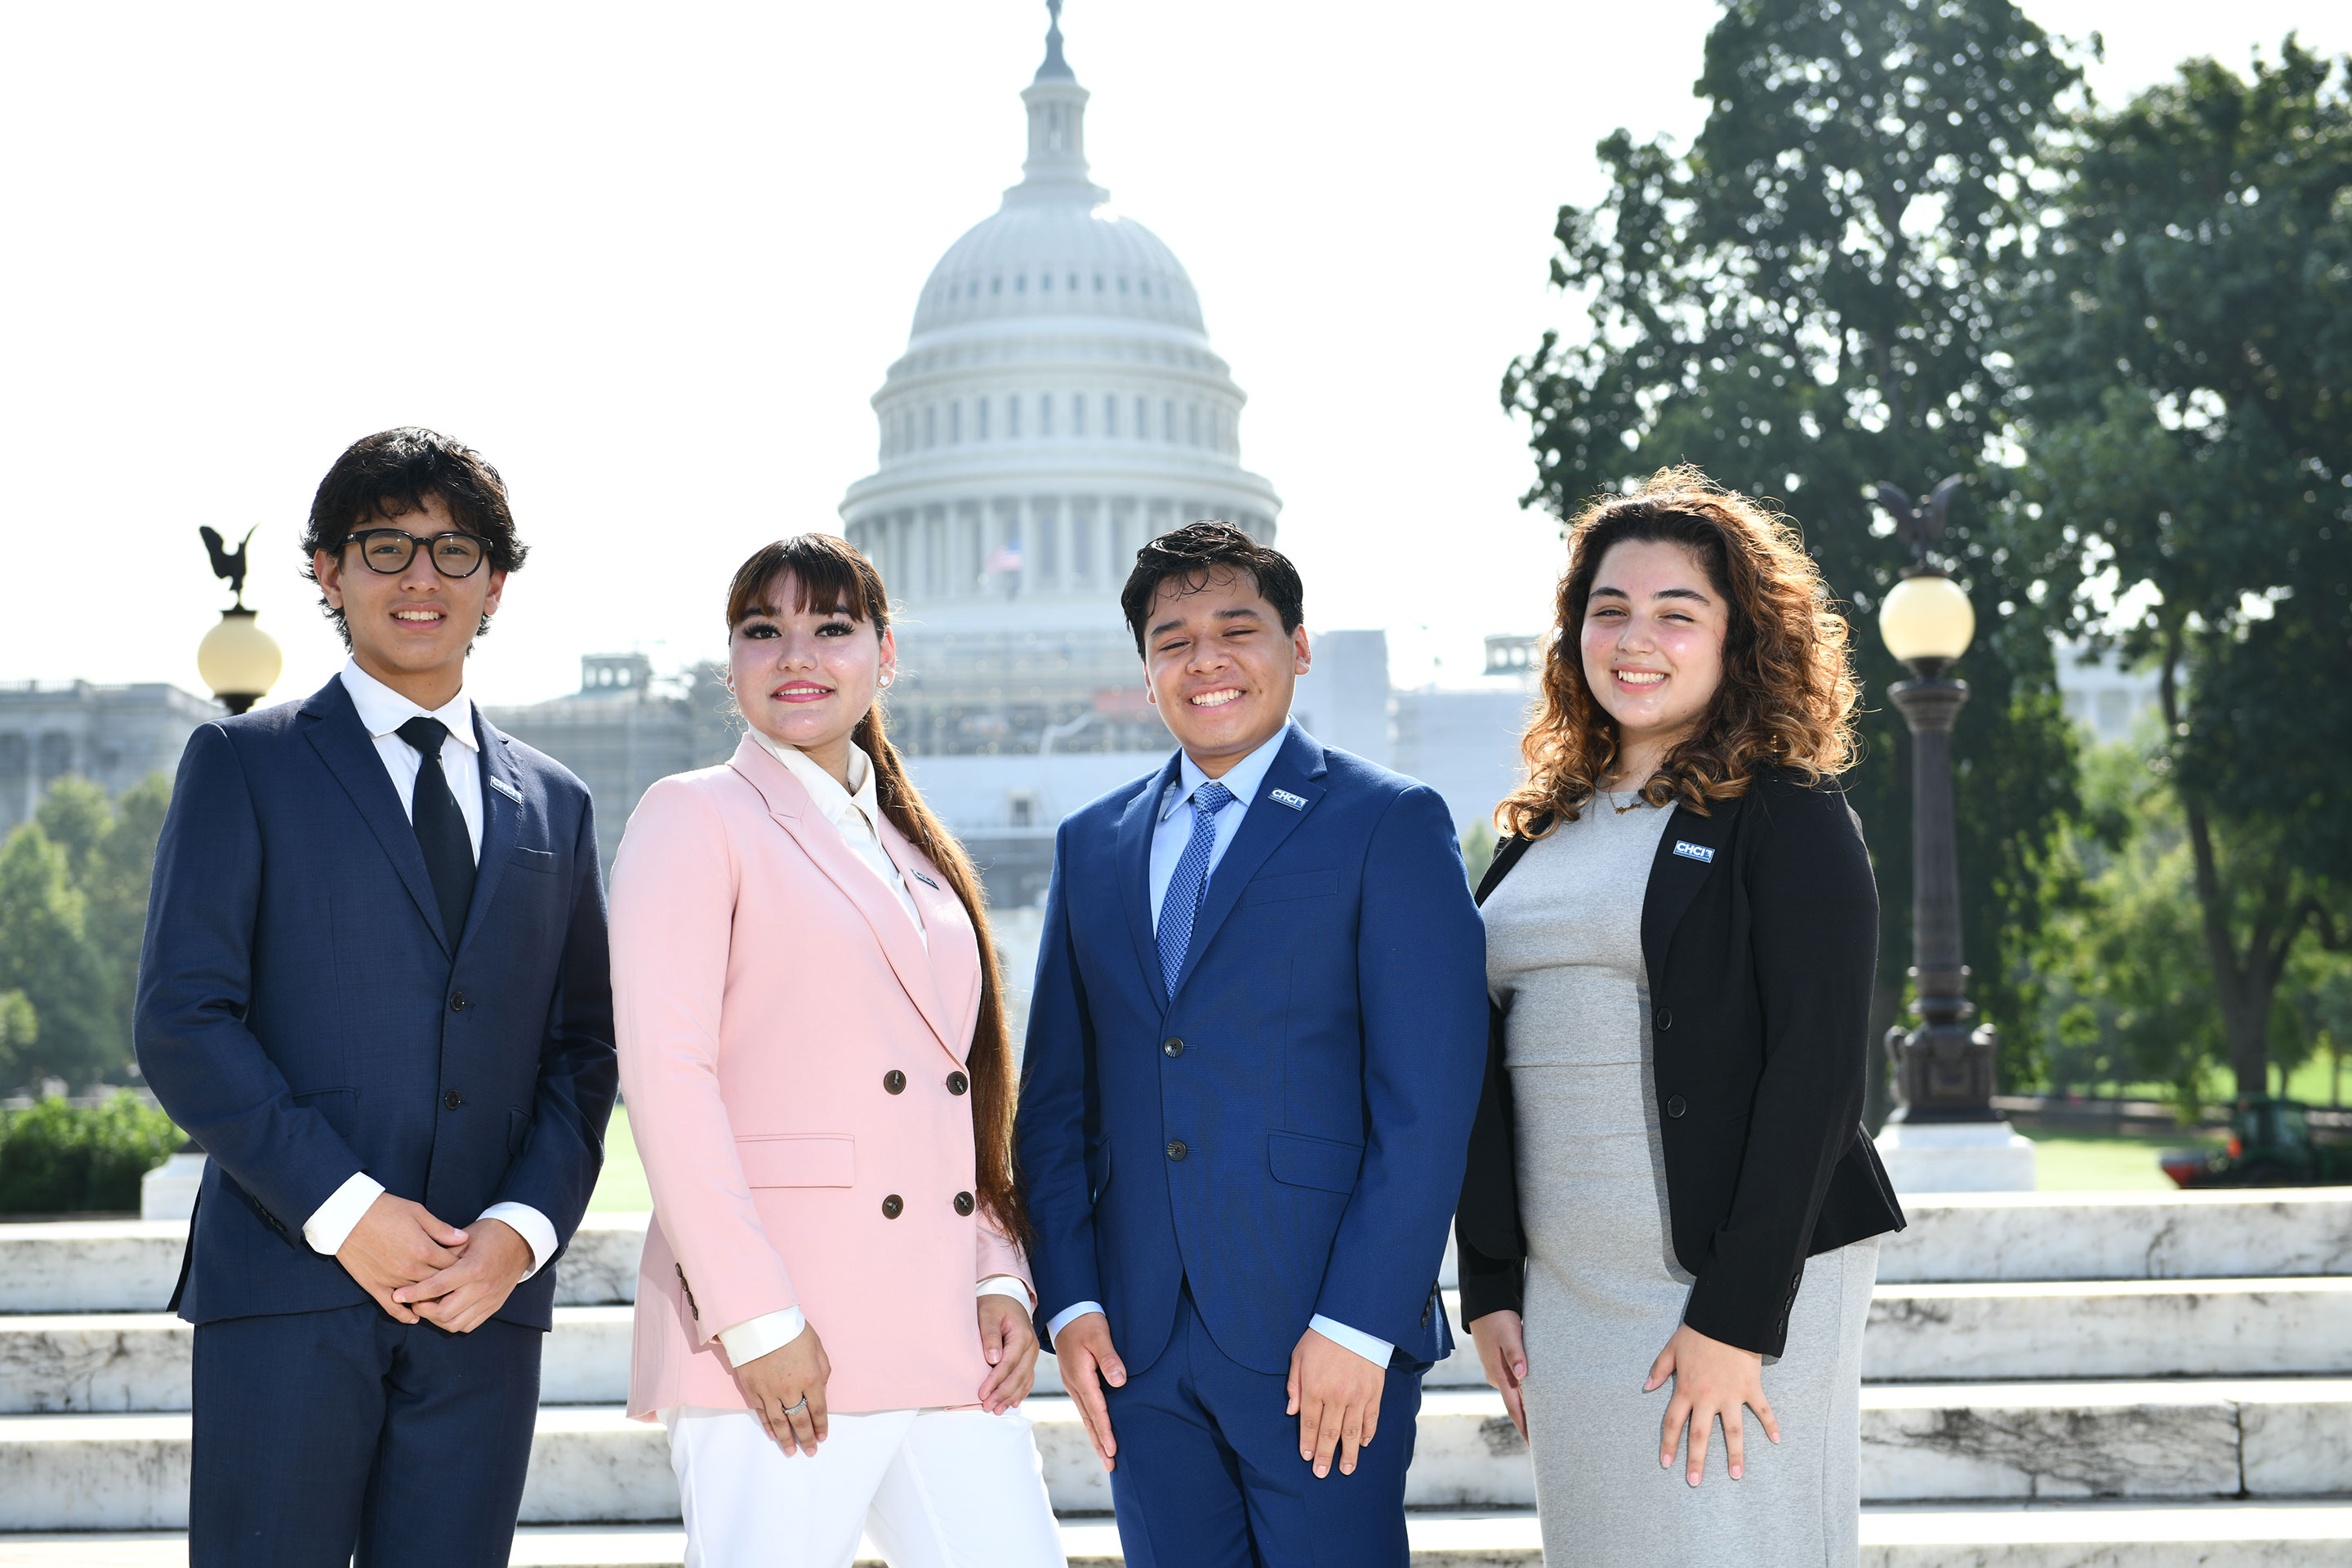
x: 1070, y: 1314
x: 1011, y: 1285
x: 537, y: 1232
x: 751, y: 1340
x: 331, y: 1224
x: 1377, y: 1352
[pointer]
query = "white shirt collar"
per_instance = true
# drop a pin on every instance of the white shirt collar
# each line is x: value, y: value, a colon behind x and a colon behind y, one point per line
x: 836, y: 803
x: 385, y: 710
x: 1243, y: 778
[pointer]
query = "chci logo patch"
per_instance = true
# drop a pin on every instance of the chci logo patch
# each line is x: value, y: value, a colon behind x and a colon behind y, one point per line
x: 1690, y: 852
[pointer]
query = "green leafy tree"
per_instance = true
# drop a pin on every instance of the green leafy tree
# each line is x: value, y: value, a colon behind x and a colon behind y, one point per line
x: 1802, y: 305
x: 46, y: 955
x: 20, y: 1026
x: 121, y: 869
x: 2184, y: 359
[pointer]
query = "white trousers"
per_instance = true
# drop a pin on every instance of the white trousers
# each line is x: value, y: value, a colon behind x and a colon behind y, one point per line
x: 935, y: 1488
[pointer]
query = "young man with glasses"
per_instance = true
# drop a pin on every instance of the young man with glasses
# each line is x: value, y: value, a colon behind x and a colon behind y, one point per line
x: 374, y: 989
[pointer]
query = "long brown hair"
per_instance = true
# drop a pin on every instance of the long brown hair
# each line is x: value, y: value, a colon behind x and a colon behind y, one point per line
x: 1788, y: 693
x: 828, y: 572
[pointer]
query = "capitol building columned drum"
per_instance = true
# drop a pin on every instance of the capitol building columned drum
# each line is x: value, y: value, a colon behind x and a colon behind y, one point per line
x: 1058, y: 405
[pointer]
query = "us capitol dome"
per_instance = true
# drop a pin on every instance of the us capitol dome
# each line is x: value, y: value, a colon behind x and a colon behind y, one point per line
x: 1058, y: 405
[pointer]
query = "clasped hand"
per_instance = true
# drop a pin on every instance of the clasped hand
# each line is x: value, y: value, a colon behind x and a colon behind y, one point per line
x: 420, y: 1268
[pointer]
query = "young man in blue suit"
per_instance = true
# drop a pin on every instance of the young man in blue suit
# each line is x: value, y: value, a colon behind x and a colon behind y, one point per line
x: 374, y: 989
x: 1255, y: 1051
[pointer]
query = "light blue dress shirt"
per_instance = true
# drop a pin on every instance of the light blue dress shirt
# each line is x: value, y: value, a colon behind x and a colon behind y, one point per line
x: 1169, y: 838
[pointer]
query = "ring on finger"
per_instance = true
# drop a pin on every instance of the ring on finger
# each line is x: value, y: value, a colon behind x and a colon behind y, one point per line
x: 796, y: 1409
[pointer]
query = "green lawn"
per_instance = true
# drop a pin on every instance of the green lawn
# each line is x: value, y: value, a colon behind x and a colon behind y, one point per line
x: 2104, y: 1162
x: 622, y: 1188
x: 2068, y: 1162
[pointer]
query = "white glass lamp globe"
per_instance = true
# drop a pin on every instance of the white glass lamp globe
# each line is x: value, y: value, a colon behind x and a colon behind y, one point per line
x: 1926, y: 616
x: 239, y: 660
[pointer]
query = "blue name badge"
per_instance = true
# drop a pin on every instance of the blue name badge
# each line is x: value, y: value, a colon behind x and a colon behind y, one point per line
x: 1283, y: 798
x: 505, y: 788
x: 1690, y: 852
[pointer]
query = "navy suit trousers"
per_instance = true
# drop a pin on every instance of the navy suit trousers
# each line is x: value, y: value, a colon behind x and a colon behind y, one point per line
x: 323, y: 1433
x: 1209, y: 1473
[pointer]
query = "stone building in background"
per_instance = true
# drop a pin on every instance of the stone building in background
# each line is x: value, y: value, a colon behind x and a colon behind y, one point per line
x: 113, y: 735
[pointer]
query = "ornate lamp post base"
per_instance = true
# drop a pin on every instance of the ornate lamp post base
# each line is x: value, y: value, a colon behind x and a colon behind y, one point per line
x: 1956, y: 1157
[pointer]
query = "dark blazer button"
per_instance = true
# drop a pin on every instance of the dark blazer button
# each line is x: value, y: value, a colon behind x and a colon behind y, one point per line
x: 1176, y: 1149
x: 963, y: 1204
x: 1675, y: 1106
x: 456, y: 1001
x: 957, y: 1083
x: 893, y: 1082
x: 1171, y: 1046
x: 1663, y: 1018
x: 453, y: 1100
x: 893, y: 1207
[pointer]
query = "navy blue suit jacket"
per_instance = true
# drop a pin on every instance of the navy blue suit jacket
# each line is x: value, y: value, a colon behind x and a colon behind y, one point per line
x: 1319, y: 1063
x: 304, y: 1017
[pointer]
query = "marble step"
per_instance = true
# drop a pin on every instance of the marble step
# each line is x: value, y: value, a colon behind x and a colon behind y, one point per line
x: 60, y: 1363
x: 129, y: 1266
x: 1980, y: 1535
x: 2260, y: 1439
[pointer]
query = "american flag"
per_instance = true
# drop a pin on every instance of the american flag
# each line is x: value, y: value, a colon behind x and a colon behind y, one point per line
x: 1007, y: 559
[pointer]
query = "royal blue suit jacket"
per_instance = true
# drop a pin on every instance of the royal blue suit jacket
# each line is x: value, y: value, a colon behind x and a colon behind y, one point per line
x: 304, y: 1017
x: 1319, y: 1065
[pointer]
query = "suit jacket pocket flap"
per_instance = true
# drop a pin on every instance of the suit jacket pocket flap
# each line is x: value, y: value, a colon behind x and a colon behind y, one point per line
x: 537, y: 859
x: 1305, y: 1162
x: 799, y: 1159
x: 1300, y: 884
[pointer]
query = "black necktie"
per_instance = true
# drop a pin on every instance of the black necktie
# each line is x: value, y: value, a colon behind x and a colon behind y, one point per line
x: 440, y: 828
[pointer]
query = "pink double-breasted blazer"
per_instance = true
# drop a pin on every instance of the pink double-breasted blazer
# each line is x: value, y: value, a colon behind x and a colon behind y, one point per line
x: 793, y: 1060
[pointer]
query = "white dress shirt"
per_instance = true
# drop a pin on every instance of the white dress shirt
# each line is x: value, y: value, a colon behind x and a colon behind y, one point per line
x: 852, y: 813
x: 383, y: 711
x: 1169, y: 839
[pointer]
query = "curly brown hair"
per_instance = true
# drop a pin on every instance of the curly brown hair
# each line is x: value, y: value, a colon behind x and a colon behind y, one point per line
x: 1789, y: 691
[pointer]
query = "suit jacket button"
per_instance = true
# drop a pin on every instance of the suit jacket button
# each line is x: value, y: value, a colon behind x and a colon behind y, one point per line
x: 1676, y: 1107
x: 963, y: 1203
x: 893, y: 1082
x: 1663, y: 1019
x: 893, y: 1207
x: 1171, y: 1046
x: 456, y: 1001
x: 1176, y: 1149
x: 453, y: 1100
x: 957, y: 1083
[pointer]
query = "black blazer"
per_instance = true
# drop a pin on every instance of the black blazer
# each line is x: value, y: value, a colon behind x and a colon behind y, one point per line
x: 1760, y: 929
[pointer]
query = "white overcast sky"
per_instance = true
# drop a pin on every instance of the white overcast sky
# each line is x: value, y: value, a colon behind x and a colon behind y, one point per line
x: 652, y: 261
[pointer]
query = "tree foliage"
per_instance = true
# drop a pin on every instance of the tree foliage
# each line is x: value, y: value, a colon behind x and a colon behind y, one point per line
x: 1804, y: 303
x: 2183, y: 353
x: 73, y: 912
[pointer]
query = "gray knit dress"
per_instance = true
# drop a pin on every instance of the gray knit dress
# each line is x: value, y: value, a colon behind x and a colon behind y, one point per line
x: 1603, y: 1291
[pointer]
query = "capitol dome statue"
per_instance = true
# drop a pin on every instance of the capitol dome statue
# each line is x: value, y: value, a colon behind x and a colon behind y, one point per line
x: 1058, y: 405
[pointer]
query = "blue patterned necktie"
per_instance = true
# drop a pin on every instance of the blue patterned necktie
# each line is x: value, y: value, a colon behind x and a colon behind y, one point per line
x: 1180, y: 905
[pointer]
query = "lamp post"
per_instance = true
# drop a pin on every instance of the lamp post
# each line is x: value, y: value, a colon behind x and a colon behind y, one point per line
x: 1944, y: 1135
x: 238, y: 659
x: 240, y: 662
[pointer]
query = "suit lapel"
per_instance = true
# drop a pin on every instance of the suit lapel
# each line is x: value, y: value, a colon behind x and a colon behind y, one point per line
x: 1136, y: 827
x: 1676, y: 873
x: 953, y: 956
x: 793, y: 810
x: 1263, y: 827
x: 343, y: 744
x: 501, y: 823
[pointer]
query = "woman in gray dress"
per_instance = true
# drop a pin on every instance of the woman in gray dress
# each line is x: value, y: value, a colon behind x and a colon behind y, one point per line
x: 1671, y: 1215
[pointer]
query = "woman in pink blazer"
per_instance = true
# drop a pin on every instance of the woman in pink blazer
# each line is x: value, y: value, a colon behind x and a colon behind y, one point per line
x: 833, y: 1313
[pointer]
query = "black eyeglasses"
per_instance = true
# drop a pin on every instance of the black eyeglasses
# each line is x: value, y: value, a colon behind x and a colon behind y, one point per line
x: 390, y: 550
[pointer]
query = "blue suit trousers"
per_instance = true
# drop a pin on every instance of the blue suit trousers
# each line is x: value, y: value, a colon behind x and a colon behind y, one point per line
x: 1209, y: 1473
x: 319, y: 1433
